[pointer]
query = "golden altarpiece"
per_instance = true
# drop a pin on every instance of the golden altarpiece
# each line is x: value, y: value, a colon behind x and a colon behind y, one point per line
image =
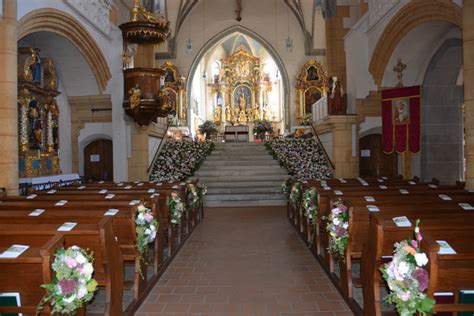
x: 174, y: 91
x: 241, y: 90
x: 311, y: 85
x: 38, y: 115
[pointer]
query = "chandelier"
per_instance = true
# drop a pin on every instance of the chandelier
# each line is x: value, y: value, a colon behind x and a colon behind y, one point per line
x: 145, y: 27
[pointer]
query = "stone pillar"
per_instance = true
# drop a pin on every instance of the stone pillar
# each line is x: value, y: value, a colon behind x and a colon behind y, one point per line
x: 138, y: 162
x: 343, y: 132
x: 468, y: 45
x: 8, y: 98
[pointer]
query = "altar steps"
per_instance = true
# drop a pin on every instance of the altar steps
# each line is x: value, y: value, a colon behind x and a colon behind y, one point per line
x: 242, y: 174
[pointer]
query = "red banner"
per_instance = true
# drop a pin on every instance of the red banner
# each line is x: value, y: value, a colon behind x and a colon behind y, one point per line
x: 401, y: 119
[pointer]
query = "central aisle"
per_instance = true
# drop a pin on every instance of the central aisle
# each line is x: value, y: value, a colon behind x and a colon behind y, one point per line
x: 244, y: 261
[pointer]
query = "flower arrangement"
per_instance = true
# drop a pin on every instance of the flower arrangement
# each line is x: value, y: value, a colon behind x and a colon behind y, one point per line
x: 201, y: 190
x: 286, y: 186
x: 146, y: 228
x: 261, y: 127
x: 192, y: 195
x: 176, y: 207
x: 338, y: 229
x: 208, y: 128
x: 179, y: 160
x: 296, y: 195
x: 407, y: 279
x: 310, y: 204
x: 73, y: 284
x: 302, y: 158
x: 306, y: 120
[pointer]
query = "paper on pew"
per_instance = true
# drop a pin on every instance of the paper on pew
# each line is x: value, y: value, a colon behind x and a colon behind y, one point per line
x: 372, y: 208
x: 51, y: 191
x: 326, y: 188
x: 385, y: 178
x: 379, y: 180
x: 103, y: 191
x: 31, y: 196
x: 174, y: 187
x: 136, y: 182
x: 134, y: 202
x: 110, y: 196
x: 365, y: 184
x: 101, y: 182
x: 14, y: 251
x: 470, y: 190
x: 66, y: 227
x: 151, y: 190
x: 120, y: 184
x: 369, y: 198
x: 342, y: 180
x: 111, y: 212
x: 444, y: 197
x: 402, y: 221
x: 383, y: 187
x: 128, y: 187
x: 155, y: 195
x: 82, y: 187
x: 188, y: 181
x: 445, y: 248
x: 61, y: 203
x: 433, y: 186
x: 304, y: 182
x: 403, y: 191
x: 337, y: 192
x: 466, y: 206
x: 411, y: 182
x: 159, y: 184
x: 140, y: 184
x: 36, y: 212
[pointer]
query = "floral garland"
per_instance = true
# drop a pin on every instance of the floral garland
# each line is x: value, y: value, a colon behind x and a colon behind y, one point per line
x: 296, y: 195
x: 146, y: 228
x: 310, y: 204
x: 73, y: 284
x: 192, y: 195
x: 306, y: 120
x: 176, y: 207
x: 202, y: 191
x: 337, y: 227
x: 261, y: 127
x: 286, y: 186
x: 407, y: 279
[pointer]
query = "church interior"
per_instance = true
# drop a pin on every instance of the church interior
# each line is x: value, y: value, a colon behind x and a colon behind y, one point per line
x: 237, y: 157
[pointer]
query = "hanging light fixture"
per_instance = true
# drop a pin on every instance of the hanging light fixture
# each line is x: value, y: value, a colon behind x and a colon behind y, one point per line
x: 288, y: 40
x: 189, y: 44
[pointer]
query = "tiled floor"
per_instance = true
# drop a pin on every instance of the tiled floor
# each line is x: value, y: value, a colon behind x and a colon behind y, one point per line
x: 244, y: 261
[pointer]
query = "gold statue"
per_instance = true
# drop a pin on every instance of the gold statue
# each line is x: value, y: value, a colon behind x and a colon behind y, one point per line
x: 217, y: 114
x: 242, y: 117
x: 138, y: 11
x: 249, y: 114
x: 134, y: 99
x: 228, y: 113
x: 256, y: 113
x: 266, y: 114
x: 242, y: 103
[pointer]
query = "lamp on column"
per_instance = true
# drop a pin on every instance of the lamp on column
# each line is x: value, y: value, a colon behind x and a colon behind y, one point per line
x: 289, y: 40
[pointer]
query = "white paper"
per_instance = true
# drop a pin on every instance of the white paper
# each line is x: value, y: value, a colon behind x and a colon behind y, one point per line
x: 379, y: 180
x: 61, y: 203
x: 369, y: 198
x: 445, y: 248
x: 66, y: 227
x: 183, y: 183
x: 120, y: 184
x: 444, y: 197
x: 36, y: 212
x: 327, y: 188
x: 100, y: 182
x: 151, y: 190
x: 110, y: 196
x: 365, y: 184
x: 403, y: 191
x: 433, y: 186
x: 103, y: 191
x: 385, y: 178
x: 134, y: 202
x: 128, y: 187
x: 337, y: 192
x: 14, y: 251
x: 188, y: 181
x: 373, y: 208
x: 136, y: 182
x: 82, y: 187
x: 31, y: 196
x: 466, y: 206
x: 304, y: 182
x: 470, y: 190
x: 94, y: 158
x: 174, y: 187
x: 365, y: 153
x: 140, y: 184
x: 111, y: 212
x: 402, y: 221
x: 159, y: 184
x: 51, y: 191
x: 155, y: 195
x: 383, y: 187
x: 412, y: 182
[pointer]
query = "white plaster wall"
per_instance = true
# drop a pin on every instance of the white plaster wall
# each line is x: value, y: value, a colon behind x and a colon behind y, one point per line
x: 91, y: 132
x: 371, y: 125
x: 65, y: 148
x: 111, y: 46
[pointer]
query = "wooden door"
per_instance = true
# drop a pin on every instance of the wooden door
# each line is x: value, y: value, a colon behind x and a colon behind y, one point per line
x: 98, y: 162
x: 373, y: 161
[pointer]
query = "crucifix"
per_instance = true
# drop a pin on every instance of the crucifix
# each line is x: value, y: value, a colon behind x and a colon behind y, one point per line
x: 238, y: 10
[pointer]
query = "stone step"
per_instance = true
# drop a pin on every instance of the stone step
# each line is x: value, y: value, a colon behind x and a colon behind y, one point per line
x: 242, y: 184
x: 243, y: 190
x: 236, y: 162
x: 233, y: 173
x: 213, y: 167
x: 244, y: 196
x: 247, y: 203
x: 239, y: 144
x: 243, y: 178
x: 240, y: 157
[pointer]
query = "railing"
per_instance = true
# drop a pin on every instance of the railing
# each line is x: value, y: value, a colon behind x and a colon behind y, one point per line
x: 157, y: 153
x: 27, y: 188
x: 320, y: 109
x: 322, y: 147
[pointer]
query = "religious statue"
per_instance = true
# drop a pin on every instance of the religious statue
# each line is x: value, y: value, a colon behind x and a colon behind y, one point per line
x: 256, y: 113
x: 37, y: 136
x: 249, y: 114
x: 266, y: 114
x: 336, y: 102
x: 242, y: 102
x: 217, y: 114
x: 139, y: 11
x: 242, y: 117
x: 228, y: 113
x: 135, y: 95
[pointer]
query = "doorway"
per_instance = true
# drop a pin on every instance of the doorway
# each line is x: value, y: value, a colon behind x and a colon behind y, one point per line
x: 98, y: 161
x: 373, y: 162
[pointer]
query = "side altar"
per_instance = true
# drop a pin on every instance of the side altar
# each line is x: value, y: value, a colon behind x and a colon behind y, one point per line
x: 38, y: 115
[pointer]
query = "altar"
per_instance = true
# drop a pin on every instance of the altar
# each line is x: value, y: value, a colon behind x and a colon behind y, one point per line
x: 239, y: 133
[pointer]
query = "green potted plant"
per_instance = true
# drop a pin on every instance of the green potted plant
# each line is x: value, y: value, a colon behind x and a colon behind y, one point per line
x: 261, y: 127
x: 208, y: 128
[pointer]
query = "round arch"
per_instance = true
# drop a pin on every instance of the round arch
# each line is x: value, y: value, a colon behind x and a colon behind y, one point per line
x: 59, y: 22
x: 273, y: 53
x: 410, y: 16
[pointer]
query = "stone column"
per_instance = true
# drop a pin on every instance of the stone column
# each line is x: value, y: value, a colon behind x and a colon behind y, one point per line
x: 138, y: 162
x: 8, y: 98
x: 468, y: 45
